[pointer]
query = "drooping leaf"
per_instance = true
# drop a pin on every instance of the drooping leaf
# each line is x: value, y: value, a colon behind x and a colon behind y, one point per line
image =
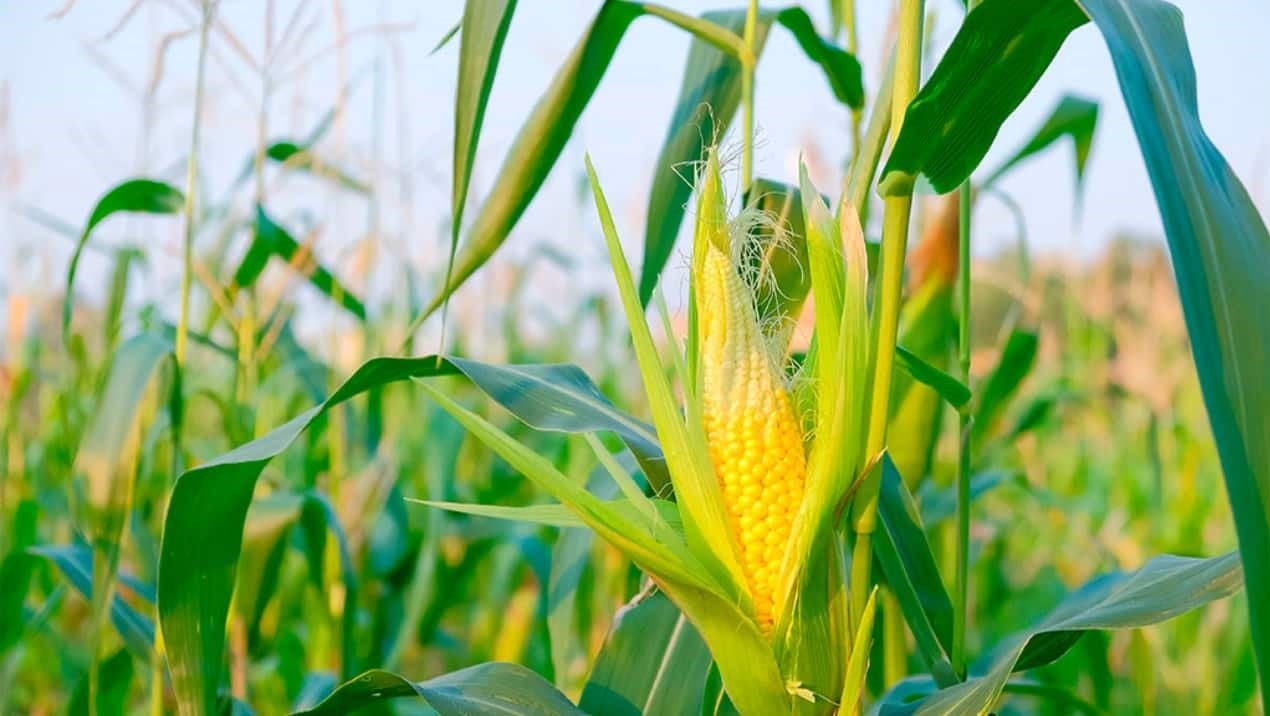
x: 269, y: 240
x: 948, y: 387
x: 490, y: 689
x: 653, y: 661
x: 993, y: 62
x: 141, y: 196
x: 1075, y: 117
x: 204, y: 521
x: 1220, y: 251
x: 1160, y: 590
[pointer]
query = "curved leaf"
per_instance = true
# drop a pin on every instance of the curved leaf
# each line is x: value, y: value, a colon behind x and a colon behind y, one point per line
x: 204, y: 523
x: 1221, y: 252
x: 141, y: 196
x: 491, y: 689
x: 995, y: 59
x: 1162, y: 589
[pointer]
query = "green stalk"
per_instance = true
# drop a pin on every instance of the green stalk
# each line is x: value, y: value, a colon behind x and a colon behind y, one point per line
x: 853, y: 46
x: 749, y: 62
x: 191, y: 179
x: 885, y: 320
x: 869, y: 154
x: 960, y: 597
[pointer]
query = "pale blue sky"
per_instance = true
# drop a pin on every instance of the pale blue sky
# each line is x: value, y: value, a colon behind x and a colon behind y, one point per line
x: 74, y: 130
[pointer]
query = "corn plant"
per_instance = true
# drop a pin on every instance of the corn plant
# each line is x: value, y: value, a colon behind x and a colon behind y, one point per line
x: 764, y: 510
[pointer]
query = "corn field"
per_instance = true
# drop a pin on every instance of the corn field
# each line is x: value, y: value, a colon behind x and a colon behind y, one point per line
x: 334, y: 435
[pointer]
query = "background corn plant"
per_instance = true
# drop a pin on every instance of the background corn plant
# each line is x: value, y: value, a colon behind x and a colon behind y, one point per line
x: 202, y: 513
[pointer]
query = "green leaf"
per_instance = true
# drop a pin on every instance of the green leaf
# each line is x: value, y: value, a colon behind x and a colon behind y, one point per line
x: 107, y: 459
x: 948, y: 387
x: 653, y: 661
x: 202, y: 537
x: 709, y: 95
x: 993, y: 62
x: 269, y: 523
x: 1074, y: 117
x: 141, y: 196
x: 206, y: 512
x: 76, y: 563
x: 840, y: 68
x: 484, y: 29
x: 561, y: 398
x: 909, y: 567
x: 16, y: 572
x: 543, y: 136
x: 269, y: 240
x: 540, y: 141
x: 490, y: 689
x: 1220, y: 251
x: 112, y: 695
x: 1162, y: 589
x: 554, y: 514
x: 302, y: 158
x: 1014, y: 365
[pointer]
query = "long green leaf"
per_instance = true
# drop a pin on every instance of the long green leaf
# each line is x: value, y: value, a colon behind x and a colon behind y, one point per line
x: 543, y: 136
x: 994, y: 60
x: 653, y: 661
x: 484, y: 29
x: 491, y: 689
x: 910, y: 571
x: 1221, y: 252
x: 1162, y: 589
x: 16, y: 572
x: 208, y: 506
x: 142, y: 196
x: 709, y: 95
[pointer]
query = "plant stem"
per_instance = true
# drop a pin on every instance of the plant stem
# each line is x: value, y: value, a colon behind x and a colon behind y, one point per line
x: 749, y: 63
x: 885, y: 323
x: 867, y: 155
x: 191, y: 180
x: 961, y: 596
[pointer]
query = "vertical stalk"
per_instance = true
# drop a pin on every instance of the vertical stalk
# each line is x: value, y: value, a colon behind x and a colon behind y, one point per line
x: 853, y: 46
x: 961, y: 605
x: 191, y: 179
x: 885, y: 320
x: 749, y: 64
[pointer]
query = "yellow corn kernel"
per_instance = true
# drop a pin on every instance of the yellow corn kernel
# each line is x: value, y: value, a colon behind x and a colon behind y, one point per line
x: 754, y: 436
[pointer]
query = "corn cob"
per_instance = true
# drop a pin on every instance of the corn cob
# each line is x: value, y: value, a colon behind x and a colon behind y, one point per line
x: 753, y: 434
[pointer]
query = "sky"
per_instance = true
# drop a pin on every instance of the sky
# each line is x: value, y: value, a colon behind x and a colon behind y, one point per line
x: 72, y: 122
